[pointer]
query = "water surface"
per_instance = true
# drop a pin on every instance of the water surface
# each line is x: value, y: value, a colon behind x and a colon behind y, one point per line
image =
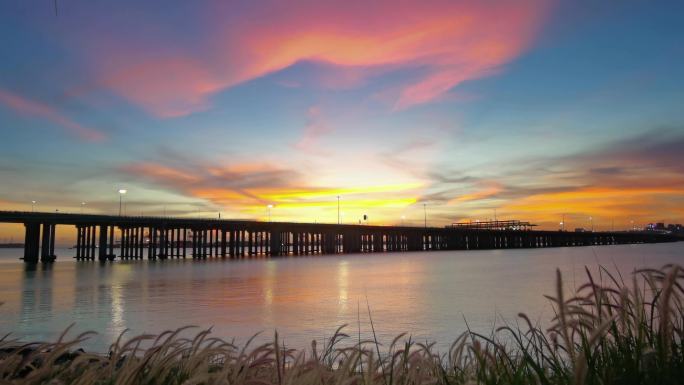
x: 427, y: 294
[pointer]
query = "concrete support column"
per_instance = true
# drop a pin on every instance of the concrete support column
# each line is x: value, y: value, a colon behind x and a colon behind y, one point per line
x: 295, y: 243
x: 111, y: 243
x: 93, y: 242
x: 211, y: 243
x: 102, y: 250
x: 250, y: 243
x: 194, y: 243
x: 136, y: 242
x: 31, y: 242
x: 78, y: 242
x: 45, y: 243
x: 185, y: 243
x: 204, y: 243
x: 47, y: 249
x: 122, y: 244
x: 87, y: 242
x: 179, y: 243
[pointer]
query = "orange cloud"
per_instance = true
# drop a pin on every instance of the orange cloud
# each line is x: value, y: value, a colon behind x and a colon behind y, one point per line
x: 247, y: 188
x: 33, y: 108
x: 622, y: 203
x: 161, y: 173
x: 444, y: 42
x: 489, y: 189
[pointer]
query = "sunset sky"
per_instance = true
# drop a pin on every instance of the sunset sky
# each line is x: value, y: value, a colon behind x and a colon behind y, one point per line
x: 535, y: 109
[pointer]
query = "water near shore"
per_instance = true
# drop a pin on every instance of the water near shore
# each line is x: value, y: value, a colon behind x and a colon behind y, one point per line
x: 426, y: 294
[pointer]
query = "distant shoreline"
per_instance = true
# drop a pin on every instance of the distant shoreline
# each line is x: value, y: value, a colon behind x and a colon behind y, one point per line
x: 11, y: 245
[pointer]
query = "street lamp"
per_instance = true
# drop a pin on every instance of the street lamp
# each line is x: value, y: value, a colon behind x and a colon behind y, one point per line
x: 122, y: 192
x: 591, y: 220
x: 82, y: 205
x: 338, y: 209
x: 402, y: 219
x: 33, y: 204
x: 562, y: 223
x: 425, y: 214
x: 269, y: 212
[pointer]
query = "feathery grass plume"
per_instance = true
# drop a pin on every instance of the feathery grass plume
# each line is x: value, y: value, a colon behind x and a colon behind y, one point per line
x: 605, y: 334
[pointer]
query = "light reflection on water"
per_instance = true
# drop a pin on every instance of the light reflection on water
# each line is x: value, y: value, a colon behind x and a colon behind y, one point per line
x: 424, y: 294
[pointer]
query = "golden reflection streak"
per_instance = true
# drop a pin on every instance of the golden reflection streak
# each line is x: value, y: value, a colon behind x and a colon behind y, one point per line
x: 269, y: 280
x: 119, y: 277
x: 342, y: 286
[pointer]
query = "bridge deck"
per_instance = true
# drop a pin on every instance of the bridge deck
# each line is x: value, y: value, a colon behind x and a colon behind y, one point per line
x: 164, y: 237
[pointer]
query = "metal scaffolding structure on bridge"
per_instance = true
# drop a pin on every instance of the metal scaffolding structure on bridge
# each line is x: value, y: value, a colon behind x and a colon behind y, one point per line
x: 513, y: 225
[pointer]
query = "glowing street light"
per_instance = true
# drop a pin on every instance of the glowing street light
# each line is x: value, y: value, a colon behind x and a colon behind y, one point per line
x: 269, y: 212
x: 82, y: 205
x: 33, y: 204
x: 122, y: 192
x: 402, y: 219
x: 338, y: 209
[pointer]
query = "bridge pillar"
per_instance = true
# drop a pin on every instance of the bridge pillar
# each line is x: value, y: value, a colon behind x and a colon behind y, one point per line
x: 205, y: 243
x: 193, y: 240
x: 31, y: 242
x: 231, y: 243
x: 295, y: 243
x: 213, y: 239
x: 152, y: 244
x: 78, y: 242
x: 173, y: 243
x: 136, y: 242
x: 102, y: 250
x: 275, y: 243
x: 122, y: 242
x: 223, y: 243
x: 87, y: 242
x: 184, y: 244
x: 47, y: 253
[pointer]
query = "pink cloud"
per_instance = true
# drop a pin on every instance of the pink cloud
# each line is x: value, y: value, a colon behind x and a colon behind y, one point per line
x: 445, y: 42
x: 33, y: 108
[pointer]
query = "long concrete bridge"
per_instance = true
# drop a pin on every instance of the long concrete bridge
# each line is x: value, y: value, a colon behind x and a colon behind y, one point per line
x: 162, y: 237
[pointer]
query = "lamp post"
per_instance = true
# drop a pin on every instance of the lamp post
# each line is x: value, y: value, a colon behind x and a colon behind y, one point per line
x: 425, y: 215
x: 122, y: 192
x: 562, y: 223
x: 33, y: 206
x: 591, y: 220
x: 269, y: 212
x: 402, y: 220
x: 82, y: 205
x: 338, y: 209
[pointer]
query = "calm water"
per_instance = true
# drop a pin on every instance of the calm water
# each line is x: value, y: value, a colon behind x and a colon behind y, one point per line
x: 305, y: 298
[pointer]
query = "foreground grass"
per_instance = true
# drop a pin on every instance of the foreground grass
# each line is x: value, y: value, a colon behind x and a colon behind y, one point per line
x: 617, y: 333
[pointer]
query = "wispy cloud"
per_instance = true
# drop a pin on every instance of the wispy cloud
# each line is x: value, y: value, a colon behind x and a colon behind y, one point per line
x: 316, y: 127
x: 441, y: 43
x: 32, y: 108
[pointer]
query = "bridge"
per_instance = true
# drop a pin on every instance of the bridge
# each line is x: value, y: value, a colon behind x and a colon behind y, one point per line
x: 163, y: 238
